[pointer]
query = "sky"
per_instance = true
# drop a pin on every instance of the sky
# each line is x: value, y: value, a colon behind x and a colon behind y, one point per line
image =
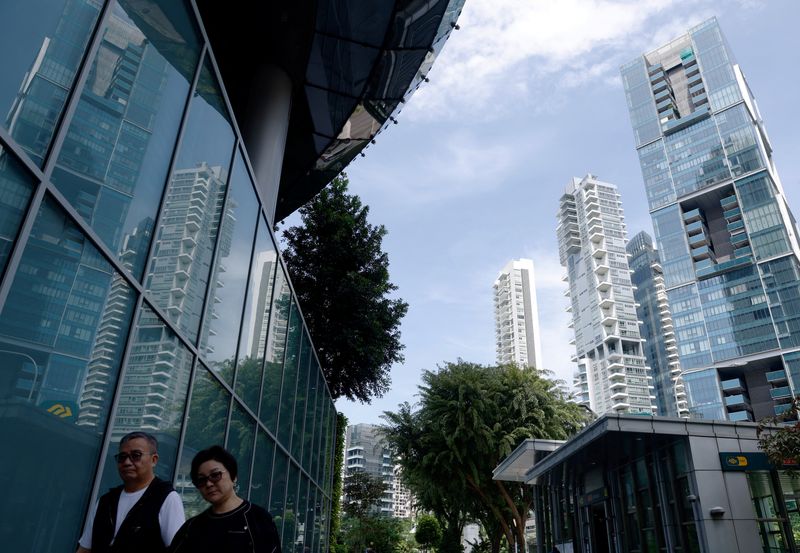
x: 525, y: 96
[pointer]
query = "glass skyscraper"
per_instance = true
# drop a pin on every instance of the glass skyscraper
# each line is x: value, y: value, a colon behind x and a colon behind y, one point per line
x: 727, y: 240
x: 141, y: 287
x: 657, y: 329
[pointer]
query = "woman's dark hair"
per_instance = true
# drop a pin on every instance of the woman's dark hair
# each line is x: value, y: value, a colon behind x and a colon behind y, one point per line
x: 215, y: 453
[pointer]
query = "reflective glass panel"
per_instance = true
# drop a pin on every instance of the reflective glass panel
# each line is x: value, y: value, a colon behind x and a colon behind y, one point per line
x: 316, y: 449
x: 42, y: 43
x: 62, y: 333
x: 301, y: 397
x: 313, y: 520
x: 253, y: 340
x: 290, y: 509
x: 208, y: 414
x: 288, y: 392
x: 241, y: 435
x: 278, y: 493
x: 114, y: 162
x: 276, y: 347
x: 224, y: 310
x: 262, y: 470
x: 177, y: 275
x: 302, y: 515
x: 16, y: 187
x: 153, y: 393
x: 311, y: 413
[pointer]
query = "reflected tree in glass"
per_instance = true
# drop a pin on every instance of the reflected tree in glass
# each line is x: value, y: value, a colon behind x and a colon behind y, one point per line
x: 208, y: 413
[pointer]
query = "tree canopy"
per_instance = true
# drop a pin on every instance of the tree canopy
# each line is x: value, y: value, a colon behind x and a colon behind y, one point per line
x: 341, y: 277
x: 429, y: 532
x: 469, y: 418
x: 362, y: 492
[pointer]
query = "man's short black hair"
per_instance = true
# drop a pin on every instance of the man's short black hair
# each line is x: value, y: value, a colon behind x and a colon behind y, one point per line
x: 151, y: 440
x: 215, y: 453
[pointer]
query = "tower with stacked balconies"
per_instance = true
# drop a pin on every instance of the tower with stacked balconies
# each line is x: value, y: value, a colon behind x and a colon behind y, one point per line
x: 516, y: 315
x: 727, y: 240
x: 612, y: 374
x: 657, y: 329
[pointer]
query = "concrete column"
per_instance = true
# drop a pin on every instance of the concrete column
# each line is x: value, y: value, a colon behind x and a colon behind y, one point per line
x: 264, y: 130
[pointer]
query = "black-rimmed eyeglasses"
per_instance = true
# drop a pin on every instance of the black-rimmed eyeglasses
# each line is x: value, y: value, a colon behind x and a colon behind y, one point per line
x: 214, y: 477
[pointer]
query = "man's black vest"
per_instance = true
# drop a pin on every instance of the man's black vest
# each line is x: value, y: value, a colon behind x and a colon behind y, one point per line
x: 140, y: 532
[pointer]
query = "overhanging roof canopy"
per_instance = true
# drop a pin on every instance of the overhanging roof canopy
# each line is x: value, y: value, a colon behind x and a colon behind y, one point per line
x: 351, y: 63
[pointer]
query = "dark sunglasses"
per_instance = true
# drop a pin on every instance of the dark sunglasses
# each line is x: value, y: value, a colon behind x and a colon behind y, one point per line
x: 214, y: 477
x: 134, y: 456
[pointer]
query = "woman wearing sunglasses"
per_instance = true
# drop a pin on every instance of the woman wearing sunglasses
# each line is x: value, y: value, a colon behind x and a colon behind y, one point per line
x: 231, y: 524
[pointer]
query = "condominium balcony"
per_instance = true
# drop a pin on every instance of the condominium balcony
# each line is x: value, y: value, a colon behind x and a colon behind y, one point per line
x: 702, y: 252
x: 603, y: 285
x: 599, y: 253
x: 692, y: 216
x: 781, y: 393
x: 617, y: 375
x: 609, y: 320
x: 733, y: 385
x: 740, y: 416
x: 737, y: 402
x: 776, y: 377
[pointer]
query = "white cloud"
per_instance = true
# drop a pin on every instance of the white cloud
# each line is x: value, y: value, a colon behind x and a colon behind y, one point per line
x: 458, y: 165
x: 510, y: 53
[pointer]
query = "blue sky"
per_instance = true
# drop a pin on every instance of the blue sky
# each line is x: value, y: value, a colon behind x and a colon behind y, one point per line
x: 525, y: 96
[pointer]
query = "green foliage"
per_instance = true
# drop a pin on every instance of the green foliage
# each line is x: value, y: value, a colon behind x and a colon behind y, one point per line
x: 362, y: 493
x: 429, y: 532
x: 470, y: 417
x: 781, y: 442
x: 341, y: 277
x: 336, y: 500
x: 379, y: 534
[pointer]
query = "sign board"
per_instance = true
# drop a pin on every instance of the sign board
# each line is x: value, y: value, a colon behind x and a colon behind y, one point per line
x: 63, y: 409
x: 738, y: 461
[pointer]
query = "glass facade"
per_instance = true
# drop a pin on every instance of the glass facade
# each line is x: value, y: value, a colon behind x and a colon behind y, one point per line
x: 634, y: 498
x: 657, y: 329
x: 141, y: 286
x: 721, y: 222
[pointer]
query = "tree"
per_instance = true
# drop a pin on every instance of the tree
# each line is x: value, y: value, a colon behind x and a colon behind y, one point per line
x: 341, y: 277
x: 362, y: 492
x: 378, y: 533
x: 429, y: 532
x: 470, y: 417
x: 336, y: 496
x: 779, y: 437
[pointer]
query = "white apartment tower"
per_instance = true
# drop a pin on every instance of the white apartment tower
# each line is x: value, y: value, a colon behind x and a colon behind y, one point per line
x: 516, y: 315
x: 612, y: 375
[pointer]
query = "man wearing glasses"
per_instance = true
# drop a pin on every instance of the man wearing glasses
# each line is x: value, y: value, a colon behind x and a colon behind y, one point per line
x: 143, y: 514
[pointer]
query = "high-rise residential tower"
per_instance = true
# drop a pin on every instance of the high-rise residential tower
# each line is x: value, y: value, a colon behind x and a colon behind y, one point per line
x: 657, y: 330
x: 516, y: 315
x: 612, y: 375
x: 727, y: 241
x: 366, y: 450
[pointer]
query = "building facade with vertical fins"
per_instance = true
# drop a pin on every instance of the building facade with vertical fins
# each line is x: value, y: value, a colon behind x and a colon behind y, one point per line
x: 612, y: 375
x: 727, y: 240
x: 516, y: 315
x: 657, y: 329
x: 147, y: 150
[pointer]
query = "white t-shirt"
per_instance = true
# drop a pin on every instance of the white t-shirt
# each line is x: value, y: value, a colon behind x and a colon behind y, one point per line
x: 170, y: 517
